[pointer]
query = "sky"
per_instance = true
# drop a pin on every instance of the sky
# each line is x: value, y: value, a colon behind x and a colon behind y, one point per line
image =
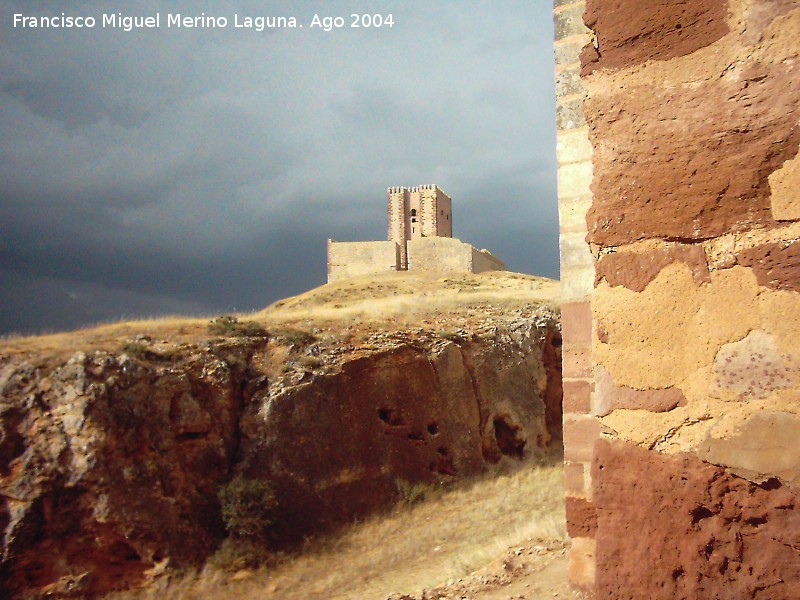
x: 200, y: 171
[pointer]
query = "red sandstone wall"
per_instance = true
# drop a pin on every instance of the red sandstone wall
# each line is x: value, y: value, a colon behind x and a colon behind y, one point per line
x: 679, y: 194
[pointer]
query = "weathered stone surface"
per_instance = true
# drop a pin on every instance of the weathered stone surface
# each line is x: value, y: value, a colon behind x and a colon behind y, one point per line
x: 675, y: 527
x: 457, y: 412
x: 692, y: 110
x: 753, y: 367
x: 580, y: 435
x: 777, y: 266
x: 574, y: 479
x: 670, y: 164
x: 630, y: 32
x: 581, y: 563
x: 635, y: 269
x: 577, y: 396
x: 581, y: 517
x: 111, y: 465
x: 765, y: 446
x: 671, y: 333
x: 785, y: 187
x: 577, y: 318
x: 608, y: 397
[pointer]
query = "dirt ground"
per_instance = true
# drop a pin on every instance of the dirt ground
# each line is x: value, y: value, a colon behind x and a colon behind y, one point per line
x: 531, y: 570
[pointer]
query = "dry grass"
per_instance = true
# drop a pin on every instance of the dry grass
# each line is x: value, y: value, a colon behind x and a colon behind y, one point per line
x: 404, y: 297
x: 413, y: 547
x: 399, y: 299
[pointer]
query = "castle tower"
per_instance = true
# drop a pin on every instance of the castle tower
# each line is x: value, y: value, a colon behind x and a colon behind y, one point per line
x: 422, y: 211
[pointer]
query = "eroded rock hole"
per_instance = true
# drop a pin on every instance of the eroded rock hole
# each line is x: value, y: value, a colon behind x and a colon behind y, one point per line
x: 508, y: 438
x: 121, y: 552
x: 700, y: 513
x: 433, y: 429
x: 415, y: 436
x: 191, y: 435
x: 390, y: 417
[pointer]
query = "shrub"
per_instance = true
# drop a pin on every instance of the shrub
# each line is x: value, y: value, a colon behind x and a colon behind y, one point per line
x: 292, y: 336
x: 411, y: 493
x: 228, y: 325
x: 247, y: 506
x: 135, y: 349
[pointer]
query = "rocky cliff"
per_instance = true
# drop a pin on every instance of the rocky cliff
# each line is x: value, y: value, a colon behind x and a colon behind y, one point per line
x: 115, y: 442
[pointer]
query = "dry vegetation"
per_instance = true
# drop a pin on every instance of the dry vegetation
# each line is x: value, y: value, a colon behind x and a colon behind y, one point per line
x: 397, y: 299
x: 436, y: 541
x: 414, y: 547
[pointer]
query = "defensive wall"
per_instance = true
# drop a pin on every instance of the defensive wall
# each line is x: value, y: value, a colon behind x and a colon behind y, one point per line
x: 679, y: 200
x: 357, y: 259
x: 450, y: 254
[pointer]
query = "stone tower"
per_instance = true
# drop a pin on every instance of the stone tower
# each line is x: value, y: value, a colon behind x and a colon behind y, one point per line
x: 422, y: 211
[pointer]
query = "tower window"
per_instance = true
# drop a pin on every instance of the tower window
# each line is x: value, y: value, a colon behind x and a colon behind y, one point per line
x: 413, y: 215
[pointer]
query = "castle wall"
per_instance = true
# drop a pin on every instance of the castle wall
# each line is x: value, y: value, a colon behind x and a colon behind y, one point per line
x: 680, y: 265
x: 399, y: 225
x: 449, y: 254
x: 444, y: 214
x: 483, y: 260
x: 357, y: 259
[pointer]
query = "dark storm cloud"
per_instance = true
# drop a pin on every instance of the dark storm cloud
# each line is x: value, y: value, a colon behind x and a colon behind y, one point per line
x: 203, y: 170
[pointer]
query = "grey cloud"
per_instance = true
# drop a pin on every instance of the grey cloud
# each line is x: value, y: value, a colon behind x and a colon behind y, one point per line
x: 205, y: 170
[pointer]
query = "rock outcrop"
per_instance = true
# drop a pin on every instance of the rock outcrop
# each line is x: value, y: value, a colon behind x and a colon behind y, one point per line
x: 112, y: 461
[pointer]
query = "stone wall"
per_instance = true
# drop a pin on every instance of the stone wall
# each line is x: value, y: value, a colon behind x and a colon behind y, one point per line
x: 399, y: 225
x: 356, y: 259
x: 483, y: 260
x: 680, y: 244
x: 449, y: 254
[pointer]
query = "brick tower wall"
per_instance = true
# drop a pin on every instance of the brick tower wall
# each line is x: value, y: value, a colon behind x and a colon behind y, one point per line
x: 399, y: 226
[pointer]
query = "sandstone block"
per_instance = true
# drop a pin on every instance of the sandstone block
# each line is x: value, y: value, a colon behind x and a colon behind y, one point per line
x: 785, y: 186
x: 569, y: 21
x: 577, y: 361
x: 630, y: 32
x: 573, y: 146
x: 581, y: 518
x: 569, y: 114
x: 776, y: 265
x: 576, y: 323
x: 575, y: 479
x: 577, y: 283
x: 580, y: 436
x: 765, y: 446
x: 635, y: 270
x: 676, y: 527
x: 575, y: 252
x: 608, y: 396
x: 582, y: 563
x: 574, y: 180
x: 577, y: 396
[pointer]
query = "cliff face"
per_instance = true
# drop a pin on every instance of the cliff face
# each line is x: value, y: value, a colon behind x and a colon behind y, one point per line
x: 111, y: 462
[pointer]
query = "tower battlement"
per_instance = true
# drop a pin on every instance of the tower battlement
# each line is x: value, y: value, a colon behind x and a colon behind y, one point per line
x: 417, y: 212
